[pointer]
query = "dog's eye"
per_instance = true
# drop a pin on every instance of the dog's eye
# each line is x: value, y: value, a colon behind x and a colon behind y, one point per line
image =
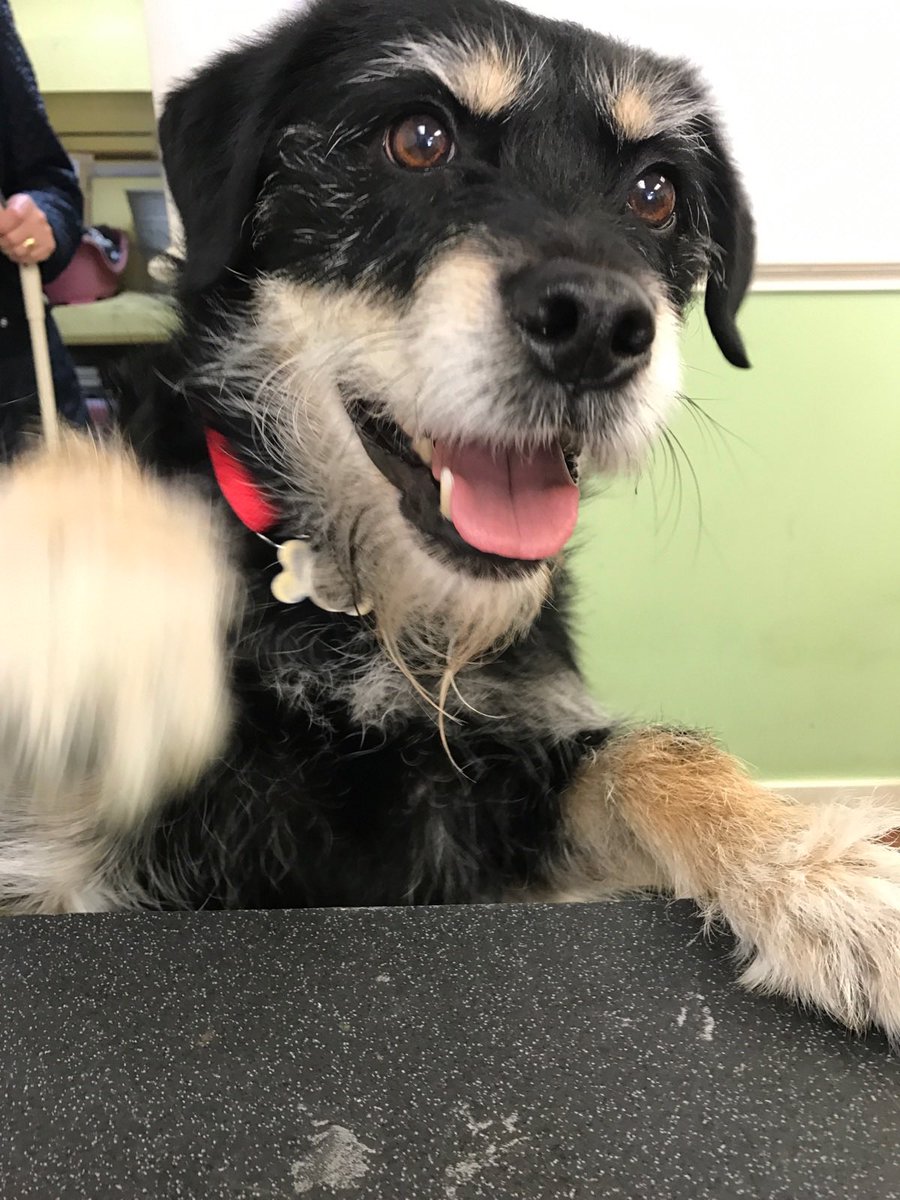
x: 652, y: 198
x: 418, y: 142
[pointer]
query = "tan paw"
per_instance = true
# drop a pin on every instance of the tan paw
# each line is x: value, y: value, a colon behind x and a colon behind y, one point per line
x: 821, y: 923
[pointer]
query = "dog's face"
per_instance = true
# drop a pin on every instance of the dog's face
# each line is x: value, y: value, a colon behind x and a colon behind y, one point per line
x: 469, y: 235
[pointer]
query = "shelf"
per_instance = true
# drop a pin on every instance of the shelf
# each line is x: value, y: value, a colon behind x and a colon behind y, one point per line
x: 131, y: 318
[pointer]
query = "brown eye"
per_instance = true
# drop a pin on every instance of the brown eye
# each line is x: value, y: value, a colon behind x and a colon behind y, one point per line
x: 418, y: 142
x: 652, y: 198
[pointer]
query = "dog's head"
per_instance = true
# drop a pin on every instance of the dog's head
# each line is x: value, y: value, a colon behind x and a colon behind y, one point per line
x: 454, y: 242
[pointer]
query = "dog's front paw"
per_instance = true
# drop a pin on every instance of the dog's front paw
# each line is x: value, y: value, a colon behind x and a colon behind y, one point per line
x: 821, y: 921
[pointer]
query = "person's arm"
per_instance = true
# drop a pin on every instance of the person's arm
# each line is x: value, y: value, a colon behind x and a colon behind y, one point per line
x: 35, y: 164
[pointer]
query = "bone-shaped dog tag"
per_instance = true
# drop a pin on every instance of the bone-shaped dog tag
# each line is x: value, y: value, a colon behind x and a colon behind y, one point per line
x: 300, y: 575
x: 295, y: 580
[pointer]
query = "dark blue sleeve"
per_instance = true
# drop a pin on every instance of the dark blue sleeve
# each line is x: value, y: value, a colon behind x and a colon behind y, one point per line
x: 32, y: 159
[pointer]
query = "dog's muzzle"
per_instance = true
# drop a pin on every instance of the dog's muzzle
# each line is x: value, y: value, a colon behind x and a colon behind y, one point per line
x: 584, y: 330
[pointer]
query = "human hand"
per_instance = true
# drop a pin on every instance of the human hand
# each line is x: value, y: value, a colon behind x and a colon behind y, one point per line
x: 25, y: 233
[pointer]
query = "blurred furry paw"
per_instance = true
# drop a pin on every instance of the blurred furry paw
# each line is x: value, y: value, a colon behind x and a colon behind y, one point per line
x: 115, y: 601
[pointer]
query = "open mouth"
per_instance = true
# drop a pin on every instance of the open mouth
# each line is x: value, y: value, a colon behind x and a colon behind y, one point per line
x: 498, y: 507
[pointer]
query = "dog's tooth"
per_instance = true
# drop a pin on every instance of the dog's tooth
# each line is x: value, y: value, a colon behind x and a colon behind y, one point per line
x: 446, y: 491
x: 424, y: 447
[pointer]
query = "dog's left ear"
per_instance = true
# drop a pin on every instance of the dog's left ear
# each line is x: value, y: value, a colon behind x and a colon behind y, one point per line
x: 731, y: 253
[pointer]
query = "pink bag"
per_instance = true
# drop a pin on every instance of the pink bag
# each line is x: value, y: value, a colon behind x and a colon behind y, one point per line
x: 95, y: 271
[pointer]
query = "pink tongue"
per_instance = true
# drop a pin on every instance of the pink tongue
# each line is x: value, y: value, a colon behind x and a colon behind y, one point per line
x: 509, y: 503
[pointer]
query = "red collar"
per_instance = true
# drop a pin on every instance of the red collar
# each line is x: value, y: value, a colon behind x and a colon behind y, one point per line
x: 237, y: 485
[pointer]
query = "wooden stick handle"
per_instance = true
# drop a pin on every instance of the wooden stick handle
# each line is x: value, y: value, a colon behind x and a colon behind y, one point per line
x: 33, y: 295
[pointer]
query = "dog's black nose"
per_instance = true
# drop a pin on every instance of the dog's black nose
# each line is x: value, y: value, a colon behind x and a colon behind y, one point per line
x: 583, y: 325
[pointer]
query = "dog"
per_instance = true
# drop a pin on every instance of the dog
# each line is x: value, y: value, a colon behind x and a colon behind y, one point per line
x: 298, y: 636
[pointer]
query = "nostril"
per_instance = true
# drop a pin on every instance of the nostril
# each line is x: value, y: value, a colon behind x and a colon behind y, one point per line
x: 633, y: 333
x: 555, y: 319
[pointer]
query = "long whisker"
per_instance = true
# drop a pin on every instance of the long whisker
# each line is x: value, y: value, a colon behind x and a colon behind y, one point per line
x: 705, y: 419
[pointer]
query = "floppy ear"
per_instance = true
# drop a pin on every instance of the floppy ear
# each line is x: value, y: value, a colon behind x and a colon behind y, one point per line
x: 212, y: 134
x: 732, y: 252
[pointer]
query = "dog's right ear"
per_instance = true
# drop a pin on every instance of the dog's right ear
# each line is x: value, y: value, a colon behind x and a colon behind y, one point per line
x: 212, y: 134
x: 733, y: 244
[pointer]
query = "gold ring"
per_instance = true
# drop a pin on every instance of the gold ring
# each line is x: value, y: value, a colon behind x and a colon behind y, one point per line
x: 29, y: 243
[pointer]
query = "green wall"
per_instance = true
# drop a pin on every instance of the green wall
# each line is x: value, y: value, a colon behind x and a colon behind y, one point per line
x: 768, y: 609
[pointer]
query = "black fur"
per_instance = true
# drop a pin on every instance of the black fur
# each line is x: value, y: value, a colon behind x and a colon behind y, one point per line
x: 308, y: 806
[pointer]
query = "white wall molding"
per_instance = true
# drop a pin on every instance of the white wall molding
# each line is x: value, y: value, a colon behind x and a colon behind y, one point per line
x: 827, y: 277
x: 819, y: 791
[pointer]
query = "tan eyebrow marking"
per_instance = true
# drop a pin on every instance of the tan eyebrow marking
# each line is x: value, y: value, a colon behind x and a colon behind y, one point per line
x: 487, y: 76
x: 632, y: 111
x: 485, y: 82
x: 642, y: 97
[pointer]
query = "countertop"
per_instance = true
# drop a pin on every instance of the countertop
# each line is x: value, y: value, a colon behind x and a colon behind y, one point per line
x: 436, y: 1053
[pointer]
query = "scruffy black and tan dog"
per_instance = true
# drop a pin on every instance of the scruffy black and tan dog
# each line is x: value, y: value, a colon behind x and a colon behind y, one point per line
x: 305, y: 642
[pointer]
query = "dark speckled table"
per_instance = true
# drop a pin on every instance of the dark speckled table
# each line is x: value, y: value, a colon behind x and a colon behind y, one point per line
x: 423, y: 1054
